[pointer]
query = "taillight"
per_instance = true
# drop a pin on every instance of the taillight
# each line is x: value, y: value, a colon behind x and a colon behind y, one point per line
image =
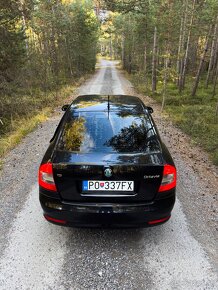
x: 169, y: 178
x: 51, y: 219
x: 154, y: 222
x: 46, y: 179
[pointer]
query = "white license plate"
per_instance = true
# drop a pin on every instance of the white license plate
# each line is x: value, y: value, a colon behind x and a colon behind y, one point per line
x: 94, y: 185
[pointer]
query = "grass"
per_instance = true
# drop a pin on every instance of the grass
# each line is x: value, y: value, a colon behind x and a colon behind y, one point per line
x: 22, y: 113
x: 22, y: 128
x: 196, y: 116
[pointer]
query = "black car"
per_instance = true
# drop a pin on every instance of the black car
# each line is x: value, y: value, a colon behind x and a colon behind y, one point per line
x: 107, y: 166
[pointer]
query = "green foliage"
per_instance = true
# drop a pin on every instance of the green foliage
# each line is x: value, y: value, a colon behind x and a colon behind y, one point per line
x: 134, y: 33
x: 45, y: 43
x: 31, y: 113
x: 195, y: 116
x: 162, y: 46
x: 74, y: 135
x: 44, y: 46
x: 16, y: 107
x: 83, y: 36
x: 200, y: 123
x: 125, y: 6
x: 68, y: 35
x: 12, y: 45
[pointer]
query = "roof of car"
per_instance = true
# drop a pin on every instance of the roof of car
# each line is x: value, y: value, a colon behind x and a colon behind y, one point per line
x: 99, y: 103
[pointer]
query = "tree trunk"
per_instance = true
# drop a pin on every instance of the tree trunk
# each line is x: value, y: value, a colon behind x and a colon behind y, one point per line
x: 166, y: 61
x: 214, y: 87
x: 130, y: 63
x: 111, y: 47
x: 215, y: 80
x: 182, y: 79
x: 145, y: 63
x: 166, y: 72
x: 178, y: 63
x: 201, y: 64
x: 154, y: 62
x: 212, y: 53
x: 215, y: 61
x: 24, y: 26
x: 181, y: 42
x: 68, y: 57
x: 123, y: 50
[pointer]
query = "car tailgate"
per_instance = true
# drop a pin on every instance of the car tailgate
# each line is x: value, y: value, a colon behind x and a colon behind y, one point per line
x: 71, y: 169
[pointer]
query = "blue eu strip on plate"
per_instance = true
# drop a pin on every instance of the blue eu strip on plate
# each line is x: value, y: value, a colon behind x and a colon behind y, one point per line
x: 85, y: 185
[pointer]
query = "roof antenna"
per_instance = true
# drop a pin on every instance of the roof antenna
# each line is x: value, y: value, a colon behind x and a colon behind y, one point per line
x: 108, y: 105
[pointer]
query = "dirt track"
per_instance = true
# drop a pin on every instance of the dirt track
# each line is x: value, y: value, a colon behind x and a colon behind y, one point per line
x: 180, y: 254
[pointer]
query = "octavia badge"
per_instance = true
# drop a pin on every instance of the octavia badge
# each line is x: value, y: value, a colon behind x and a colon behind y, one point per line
x: 108, y: 172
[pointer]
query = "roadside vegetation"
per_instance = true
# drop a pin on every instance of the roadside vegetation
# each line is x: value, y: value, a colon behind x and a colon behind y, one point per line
x: 32, y: 111
x: 196, y: 117
x: 170, y: 51
x: 46, y: 48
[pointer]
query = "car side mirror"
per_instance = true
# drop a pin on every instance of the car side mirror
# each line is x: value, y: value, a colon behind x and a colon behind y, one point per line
x: 65, y: 107
x: 150, y: 110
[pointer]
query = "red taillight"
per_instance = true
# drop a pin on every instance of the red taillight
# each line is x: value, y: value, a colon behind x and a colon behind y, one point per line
x: 51, y: 219
x: 154, y: 222
x: 46, y: 179
x: 169, y: 178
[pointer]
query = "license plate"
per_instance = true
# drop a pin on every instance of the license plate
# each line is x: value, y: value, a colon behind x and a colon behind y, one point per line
x: 94, y: 185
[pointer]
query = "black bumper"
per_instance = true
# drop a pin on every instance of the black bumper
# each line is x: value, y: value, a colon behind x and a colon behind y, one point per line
x: 78, y: 214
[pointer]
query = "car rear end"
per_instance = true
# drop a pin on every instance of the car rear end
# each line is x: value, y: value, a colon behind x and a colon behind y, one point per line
x: 114, y: 172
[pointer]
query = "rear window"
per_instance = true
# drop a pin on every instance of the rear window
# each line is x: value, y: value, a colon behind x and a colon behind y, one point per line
x: 86, y: 132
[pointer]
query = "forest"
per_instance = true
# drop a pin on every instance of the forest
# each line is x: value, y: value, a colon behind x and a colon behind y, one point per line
x: 45, y: 48
x: 169, y: 50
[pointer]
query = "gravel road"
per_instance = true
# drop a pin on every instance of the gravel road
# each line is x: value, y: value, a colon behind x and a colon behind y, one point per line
x: 181, y: 254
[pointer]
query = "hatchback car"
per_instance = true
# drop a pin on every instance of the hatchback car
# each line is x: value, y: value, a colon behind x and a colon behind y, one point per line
x: 107, y: 166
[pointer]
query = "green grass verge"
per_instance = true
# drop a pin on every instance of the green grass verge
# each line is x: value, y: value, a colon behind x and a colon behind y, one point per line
x: 196, y: 116
x: 22, y: 127
x: 24, y: 113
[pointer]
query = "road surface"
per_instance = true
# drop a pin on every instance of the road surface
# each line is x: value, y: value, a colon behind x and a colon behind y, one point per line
x: 35, y: 254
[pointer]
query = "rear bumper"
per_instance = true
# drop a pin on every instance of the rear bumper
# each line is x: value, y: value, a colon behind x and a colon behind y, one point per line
x: 106, y: 214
